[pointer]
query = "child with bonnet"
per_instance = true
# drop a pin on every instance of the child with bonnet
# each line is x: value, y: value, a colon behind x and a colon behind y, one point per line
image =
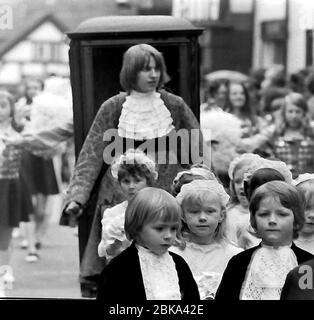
x: 238, y: 218
x: 152, y: 223
x: 276, y: 214
x: 203, y: 245
x: 134, y: 171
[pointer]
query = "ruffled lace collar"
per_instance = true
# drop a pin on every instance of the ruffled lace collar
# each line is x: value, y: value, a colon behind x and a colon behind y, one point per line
x: 144, y: 116
x: 160, y: 276
x: 267, y: 272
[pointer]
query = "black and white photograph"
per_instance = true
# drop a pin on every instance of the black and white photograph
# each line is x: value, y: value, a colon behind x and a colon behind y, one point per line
x: 156, y: 150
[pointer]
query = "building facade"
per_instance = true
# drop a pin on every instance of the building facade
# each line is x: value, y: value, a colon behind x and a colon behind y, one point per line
x: 283, y: 34
x: 38, y: 51
x: 226, y: 42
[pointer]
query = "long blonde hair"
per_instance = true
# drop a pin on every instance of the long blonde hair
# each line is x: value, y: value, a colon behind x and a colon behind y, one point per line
x: 281, y: 123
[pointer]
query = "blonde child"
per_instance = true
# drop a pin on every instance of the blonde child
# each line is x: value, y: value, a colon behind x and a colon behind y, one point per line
x: 134, y: 171
x: 277, y: 214
x: 12, y: 202
x: 204, y: 246
x: 147, y: 270
x: 293, y: 141
x: 305, y: 183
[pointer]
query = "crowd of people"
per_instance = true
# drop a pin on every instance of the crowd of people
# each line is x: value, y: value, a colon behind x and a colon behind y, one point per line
x: 234, y: 223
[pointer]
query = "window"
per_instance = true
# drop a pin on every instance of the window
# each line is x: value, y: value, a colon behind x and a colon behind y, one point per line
x: 46, y: 51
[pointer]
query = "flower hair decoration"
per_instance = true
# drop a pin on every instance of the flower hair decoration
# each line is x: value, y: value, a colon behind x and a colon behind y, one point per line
x: 133, y: 156
x: 203, y: 185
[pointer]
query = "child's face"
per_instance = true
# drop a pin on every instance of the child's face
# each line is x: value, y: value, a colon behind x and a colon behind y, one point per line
x: 221, y: 95
x: 274, y: 222
x: 148, y: 79
x: 5, y: 110
x: 33, y: 88
x: 308, y: 228
x: 132, y: 185
x: 203, y: 219
x: 158, y: 236
x: 239, y: 186
x: 293, y: 115
x: 236, y: 95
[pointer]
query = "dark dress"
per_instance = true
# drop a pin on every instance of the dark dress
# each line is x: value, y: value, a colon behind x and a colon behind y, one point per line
x: 14, y: 201
x: 39, y: 174
x: 122, y: 281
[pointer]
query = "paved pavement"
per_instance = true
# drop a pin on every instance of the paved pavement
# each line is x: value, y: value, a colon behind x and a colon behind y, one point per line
x: 56, y: 272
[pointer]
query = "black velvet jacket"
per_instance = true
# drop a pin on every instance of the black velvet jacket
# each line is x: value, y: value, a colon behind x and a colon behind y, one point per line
x: 122, y: 281
x: 234, y: 275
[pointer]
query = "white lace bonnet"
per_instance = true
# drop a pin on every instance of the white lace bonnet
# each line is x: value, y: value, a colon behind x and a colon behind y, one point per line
x: 257, y: 162
x: 132, y: 156
x: 280, y: 166
x: 254, y: 161
x: 203, y: 185
x: 203, y: 171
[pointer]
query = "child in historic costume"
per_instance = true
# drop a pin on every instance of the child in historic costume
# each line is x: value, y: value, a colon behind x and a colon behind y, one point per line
x: 305, y: 183
x: 259, y: 177
x: 238, y: 218
x: 152, y: 221
x: 204, y: 246
x: 277, y: 214
x: 293, y: 142
x: 134, y: 171
x: 12, y: 200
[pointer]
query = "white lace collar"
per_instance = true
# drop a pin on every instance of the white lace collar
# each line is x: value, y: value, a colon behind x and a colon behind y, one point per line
x: 144, y: 116
x: 160, y: 276
x: 267, y: 272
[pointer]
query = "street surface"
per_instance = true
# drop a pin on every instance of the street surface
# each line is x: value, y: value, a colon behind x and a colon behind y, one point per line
x: 56, y: 272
